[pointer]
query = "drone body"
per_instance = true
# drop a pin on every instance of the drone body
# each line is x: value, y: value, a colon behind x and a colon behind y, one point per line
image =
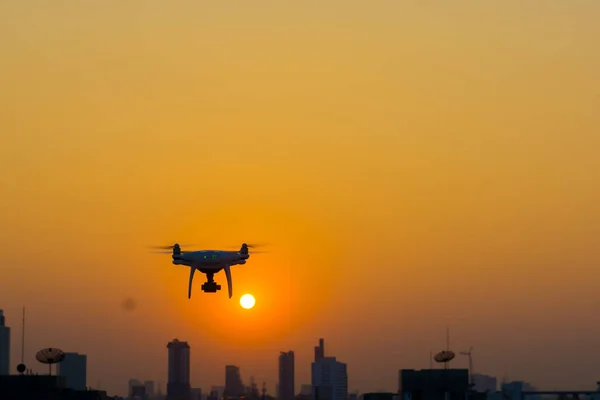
x: 210, y: 262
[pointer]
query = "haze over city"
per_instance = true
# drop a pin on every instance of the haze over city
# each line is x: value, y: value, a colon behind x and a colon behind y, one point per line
x: 412, y: 166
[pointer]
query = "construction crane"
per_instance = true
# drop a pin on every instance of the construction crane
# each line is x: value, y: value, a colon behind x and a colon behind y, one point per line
x: 468, y: 353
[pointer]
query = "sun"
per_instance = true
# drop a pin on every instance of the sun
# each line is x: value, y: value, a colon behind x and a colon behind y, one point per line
x: 247, y: 301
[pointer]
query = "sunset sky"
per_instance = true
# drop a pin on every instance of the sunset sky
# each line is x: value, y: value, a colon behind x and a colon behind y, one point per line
x: 412, y: 164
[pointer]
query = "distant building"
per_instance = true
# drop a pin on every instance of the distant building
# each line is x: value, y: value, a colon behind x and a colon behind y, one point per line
x: 196, y: 394
x: 218, y: 390
x: 234, y: 387
x: 19, y: 387
x: 484, y: 383
x: 329, y: 379
x: 216, y: 393
x: 320, y: 350
x: 434, y: 384
x: 495, y: 396
x: 379, y: 396
x: 305, y: 389
x: 130, y: 384
x: 4, y: 346
x: 74, y: 369
x: 149, y: 385
x: 138, y: 392
x: 286, y: 389
x: 178, y: 386
x: 513, y: 390
x: 518, y: 386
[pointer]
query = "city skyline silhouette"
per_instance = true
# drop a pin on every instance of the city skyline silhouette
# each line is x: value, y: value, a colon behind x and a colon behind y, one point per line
x: 413, y: 166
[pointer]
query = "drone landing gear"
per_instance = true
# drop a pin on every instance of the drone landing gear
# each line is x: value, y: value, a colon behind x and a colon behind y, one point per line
x: 210, y: 286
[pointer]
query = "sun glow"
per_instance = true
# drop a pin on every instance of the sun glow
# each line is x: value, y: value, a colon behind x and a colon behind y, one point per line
x: 247, y: 301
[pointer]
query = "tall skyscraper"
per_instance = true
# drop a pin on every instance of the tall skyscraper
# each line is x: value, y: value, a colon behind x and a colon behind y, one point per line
x: 178, y: 386
x: 320, y: 350
x: 329, y: 379
x: 286, y: 389
x: 4, y: 346
x: 234, y: 386
x: 74, y: 369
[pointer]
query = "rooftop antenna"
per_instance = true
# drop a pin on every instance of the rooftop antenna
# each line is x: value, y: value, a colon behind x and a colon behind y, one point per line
x: 23, y: 339
x: 468, y: 353
x: 21, y: 368
x: 447, y: 355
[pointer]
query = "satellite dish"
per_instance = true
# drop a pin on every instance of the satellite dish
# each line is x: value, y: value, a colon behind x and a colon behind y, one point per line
x: 444, y: 357
x: 50, y: 356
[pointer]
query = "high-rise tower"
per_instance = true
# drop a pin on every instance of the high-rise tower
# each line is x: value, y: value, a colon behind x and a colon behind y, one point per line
x: 320, y: 350
x: 4, y: 346
x: 74, y: 369
x: 286, y: 388
x: 178, y: 386
x: 234, y: 387
x: 329, y: 379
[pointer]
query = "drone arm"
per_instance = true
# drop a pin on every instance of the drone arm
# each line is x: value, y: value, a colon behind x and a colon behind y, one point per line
x: 192, y: 270
x: 229, y: 282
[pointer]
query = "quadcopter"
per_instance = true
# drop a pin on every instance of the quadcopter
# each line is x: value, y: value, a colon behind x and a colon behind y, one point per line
x: 209, y: 262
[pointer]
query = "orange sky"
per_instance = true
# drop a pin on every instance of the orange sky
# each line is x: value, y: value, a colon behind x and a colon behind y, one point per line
x: 411, y: 165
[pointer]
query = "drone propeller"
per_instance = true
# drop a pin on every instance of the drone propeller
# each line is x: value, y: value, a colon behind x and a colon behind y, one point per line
x: 249, y: 245
x: 255, y: 245
x: 169, y: 252
x: 169, y: 247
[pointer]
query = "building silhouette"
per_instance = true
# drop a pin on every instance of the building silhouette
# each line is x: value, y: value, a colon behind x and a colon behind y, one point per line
x: 286, y: 387
x: 138, y: 392
x: 178, y: 385
x: 219, y: 391
x: 43, y: 387
x: 74, y: 369
x: 234, y: 387
x: 4, y: 346
x: 329, y: 379
x: 305, y: 390
x: 378, y: 396
x: 484, y: 383
x: 196, y: 394
x: 133, y: 382
x: 149, y: 385
x: 434, y: 384
x: 514, y: 390
x: 320, y: 350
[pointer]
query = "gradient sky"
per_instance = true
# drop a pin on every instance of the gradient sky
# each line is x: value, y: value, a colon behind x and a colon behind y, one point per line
x: 413, y: 165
